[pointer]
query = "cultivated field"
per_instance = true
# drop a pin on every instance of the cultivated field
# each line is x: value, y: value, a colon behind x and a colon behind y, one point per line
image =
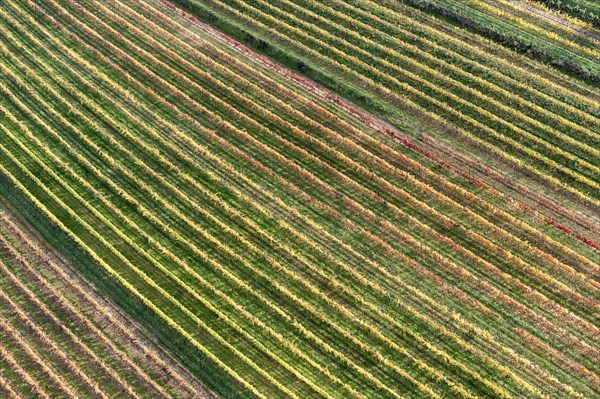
x: 477, y: 95
x: 60, y: 339
x: 278, y: 239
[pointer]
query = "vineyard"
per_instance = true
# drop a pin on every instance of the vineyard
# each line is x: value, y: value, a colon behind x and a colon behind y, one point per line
x: 76, y: 344
x: 298, y: 199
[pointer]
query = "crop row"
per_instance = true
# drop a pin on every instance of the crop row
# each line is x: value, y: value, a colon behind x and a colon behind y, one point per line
x: 64, y: 368
x: 152, y: 216
x: 523, y: 20
x: 539, y: 85
x: 27, y: 354
x: 375, y: 53
x: 586, y: 11
x: 61, y: 307
x: 348, y: 69
x: 323, y: 117
x: 461, y: 68
x: 382, y: 72
x: 355, y: 23
x: 563, y: 87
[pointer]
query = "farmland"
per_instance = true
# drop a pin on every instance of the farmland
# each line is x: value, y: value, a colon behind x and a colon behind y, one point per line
x: 67, y: 349
x: 366, y: 201
x: 441, y: 72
